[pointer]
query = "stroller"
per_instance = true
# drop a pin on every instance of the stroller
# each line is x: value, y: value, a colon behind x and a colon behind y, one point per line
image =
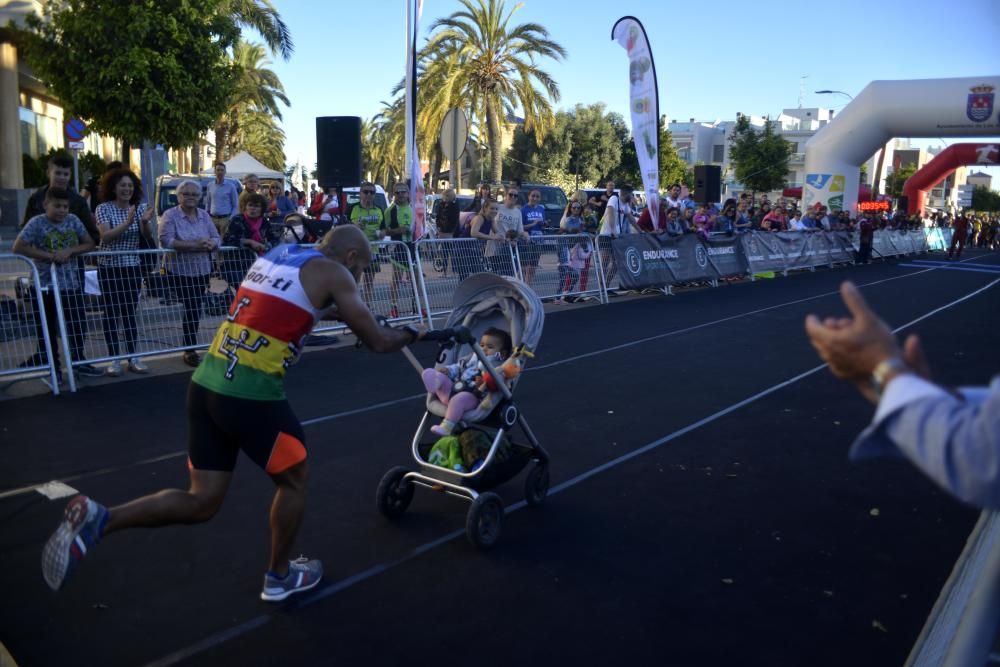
x: 481, y: 301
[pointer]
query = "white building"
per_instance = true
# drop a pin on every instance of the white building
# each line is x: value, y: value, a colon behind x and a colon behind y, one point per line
x: 703, y: 142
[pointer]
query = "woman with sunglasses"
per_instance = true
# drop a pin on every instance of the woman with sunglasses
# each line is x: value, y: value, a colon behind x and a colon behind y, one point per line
x: 280, y: 205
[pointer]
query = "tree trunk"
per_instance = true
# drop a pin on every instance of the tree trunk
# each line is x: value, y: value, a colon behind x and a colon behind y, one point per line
x: 221, y: 142
x: 126, y: 154
x: 196, y: 157
x: 493, y: 130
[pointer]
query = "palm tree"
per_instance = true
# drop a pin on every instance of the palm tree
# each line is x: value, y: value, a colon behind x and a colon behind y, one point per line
x: 480, y: 58
x: 259, y: 135
x: 258, y: 90
x: 260, y: 15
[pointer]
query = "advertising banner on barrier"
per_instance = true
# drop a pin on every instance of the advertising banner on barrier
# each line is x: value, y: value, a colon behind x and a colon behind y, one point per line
x: 763, y: 252
x: 725, y: 255
x: 841, y: 247
x: 646, y: 260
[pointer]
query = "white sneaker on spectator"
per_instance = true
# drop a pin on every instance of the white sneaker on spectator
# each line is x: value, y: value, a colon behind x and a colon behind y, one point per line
x: 115, y: 369
x: 136, y: 366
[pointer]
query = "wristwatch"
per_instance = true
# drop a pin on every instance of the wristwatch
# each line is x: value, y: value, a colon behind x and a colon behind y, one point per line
x: 885, y: 371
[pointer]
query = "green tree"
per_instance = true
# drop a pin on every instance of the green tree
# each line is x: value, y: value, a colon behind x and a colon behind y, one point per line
x: 256, y: 94
x: 984, y: 199
x: 760, y: 156
x: 671, y: 166
x: 896, y: 180
x: 494, y: 69
x: 151, y: 70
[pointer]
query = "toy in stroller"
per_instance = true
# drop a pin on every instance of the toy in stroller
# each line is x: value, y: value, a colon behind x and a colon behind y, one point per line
x: 481, y: 301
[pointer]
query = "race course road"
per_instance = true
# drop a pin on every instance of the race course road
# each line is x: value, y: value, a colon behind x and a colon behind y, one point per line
x: 703, y: 510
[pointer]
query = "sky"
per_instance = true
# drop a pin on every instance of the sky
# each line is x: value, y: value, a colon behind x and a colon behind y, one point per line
x: 712, y: 60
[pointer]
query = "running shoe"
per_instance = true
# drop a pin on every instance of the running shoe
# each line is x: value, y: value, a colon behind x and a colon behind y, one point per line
x: 192, y: 358
x: 83, y: 521
x: 115, y: 368
x: 89, y: 370
x: 303, y: 574
x: 136, y: 365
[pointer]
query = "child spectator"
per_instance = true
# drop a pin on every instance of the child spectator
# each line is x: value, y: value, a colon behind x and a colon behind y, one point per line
x: 579, y: 258
x: 461, y: 386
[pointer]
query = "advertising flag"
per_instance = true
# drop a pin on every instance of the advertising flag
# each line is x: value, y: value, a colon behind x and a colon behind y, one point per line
x: 413, y: 11
x: 644, y: 103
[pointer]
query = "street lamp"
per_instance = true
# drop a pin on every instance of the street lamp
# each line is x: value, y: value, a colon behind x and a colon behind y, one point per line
x: 834, y: 92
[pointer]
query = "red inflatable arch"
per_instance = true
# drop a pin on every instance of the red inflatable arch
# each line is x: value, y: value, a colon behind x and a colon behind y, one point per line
x: 942, y: 166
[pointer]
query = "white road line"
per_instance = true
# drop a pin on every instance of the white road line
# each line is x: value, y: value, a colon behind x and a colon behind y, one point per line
x: 378, y: 406
x: 335, y: 587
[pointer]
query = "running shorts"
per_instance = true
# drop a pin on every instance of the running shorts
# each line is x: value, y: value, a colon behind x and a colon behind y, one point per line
x: 219, y: 426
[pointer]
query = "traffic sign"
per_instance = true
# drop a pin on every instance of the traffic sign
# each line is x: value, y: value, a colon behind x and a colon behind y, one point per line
x: 74, y: 145
x: 454, y: 135
x: 75, y: 129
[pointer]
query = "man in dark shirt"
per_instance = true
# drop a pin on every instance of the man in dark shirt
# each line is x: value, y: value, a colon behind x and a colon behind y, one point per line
x: 60, y: 170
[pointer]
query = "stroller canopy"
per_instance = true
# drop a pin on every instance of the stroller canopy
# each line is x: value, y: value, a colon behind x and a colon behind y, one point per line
x: 486, y: 300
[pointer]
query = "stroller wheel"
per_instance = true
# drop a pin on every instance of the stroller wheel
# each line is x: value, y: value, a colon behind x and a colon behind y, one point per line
x: 536, y: 485
x: 394, y: 494
x: 482, y: 524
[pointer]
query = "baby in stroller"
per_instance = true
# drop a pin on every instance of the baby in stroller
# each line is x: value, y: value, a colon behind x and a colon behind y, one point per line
x: 463, y: 385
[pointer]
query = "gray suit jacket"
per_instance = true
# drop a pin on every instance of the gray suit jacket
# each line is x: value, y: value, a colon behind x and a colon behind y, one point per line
x: 954, y: 442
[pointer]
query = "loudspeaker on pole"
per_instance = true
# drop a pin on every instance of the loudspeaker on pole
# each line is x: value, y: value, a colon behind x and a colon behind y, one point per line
x: 338, y: 151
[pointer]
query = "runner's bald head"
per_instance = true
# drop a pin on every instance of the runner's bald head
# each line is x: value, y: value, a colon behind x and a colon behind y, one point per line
x: 348, y: 245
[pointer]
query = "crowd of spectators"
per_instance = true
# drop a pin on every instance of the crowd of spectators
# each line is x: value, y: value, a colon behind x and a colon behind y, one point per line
x: 61, y: 224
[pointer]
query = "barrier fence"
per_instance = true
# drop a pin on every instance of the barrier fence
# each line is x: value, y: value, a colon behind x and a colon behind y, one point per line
x: 115, y: 308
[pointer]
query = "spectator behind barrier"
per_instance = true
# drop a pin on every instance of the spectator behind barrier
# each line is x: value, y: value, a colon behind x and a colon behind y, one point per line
x: 122, y: 220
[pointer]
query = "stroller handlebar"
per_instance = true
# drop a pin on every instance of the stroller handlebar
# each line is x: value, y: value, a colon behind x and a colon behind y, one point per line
x: 457, y: 334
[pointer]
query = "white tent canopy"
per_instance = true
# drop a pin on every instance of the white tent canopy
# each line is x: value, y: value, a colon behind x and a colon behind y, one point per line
x: 242, y: 164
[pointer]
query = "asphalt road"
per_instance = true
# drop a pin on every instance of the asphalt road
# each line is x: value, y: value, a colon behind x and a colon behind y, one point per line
x: 703, y: 510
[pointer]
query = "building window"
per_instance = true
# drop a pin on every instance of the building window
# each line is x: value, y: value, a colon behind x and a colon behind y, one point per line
x: 718, y: 153
x: 793, y: 147
x: 38, y: 133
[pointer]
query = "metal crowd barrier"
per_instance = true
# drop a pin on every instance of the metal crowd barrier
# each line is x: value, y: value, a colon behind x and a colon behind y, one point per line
x: 542, y: 263
x: 121, y: 314
x: 963, y: 625
x: 25, y: 344
x: 129, y: 306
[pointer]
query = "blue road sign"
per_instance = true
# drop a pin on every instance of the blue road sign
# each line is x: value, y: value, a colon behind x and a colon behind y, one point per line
x: 75, y: 129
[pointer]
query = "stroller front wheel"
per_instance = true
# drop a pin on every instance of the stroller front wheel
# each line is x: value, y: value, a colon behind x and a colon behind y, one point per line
x: 394, y: 494
x: 482, y: 524
x: 536, y: 485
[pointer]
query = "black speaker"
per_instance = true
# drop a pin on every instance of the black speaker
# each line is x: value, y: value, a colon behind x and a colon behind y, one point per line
x: 338, y: 151
x: 707, y: 183
x: 903, y: 203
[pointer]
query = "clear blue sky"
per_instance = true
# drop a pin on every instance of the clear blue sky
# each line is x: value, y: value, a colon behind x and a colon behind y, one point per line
x: 712, y: 59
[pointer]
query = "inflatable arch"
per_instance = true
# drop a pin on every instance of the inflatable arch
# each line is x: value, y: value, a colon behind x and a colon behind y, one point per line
x: 942, y: 166
x: 887, y: 109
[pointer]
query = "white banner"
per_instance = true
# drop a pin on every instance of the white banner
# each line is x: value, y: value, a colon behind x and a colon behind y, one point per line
x: 644, y: 103
x: 413, y: 10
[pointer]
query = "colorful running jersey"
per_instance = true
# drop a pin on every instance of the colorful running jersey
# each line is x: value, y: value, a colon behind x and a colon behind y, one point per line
x: 262, y: 335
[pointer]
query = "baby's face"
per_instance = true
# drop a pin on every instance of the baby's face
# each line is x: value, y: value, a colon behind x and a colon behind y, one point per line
x: 491, y: 345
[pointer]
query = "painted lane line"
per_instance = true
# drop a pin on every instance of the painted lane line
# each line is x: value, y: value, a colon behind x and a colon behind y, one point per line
x: 398, y: 401
x: 995, y: 270
x: 308, y: 599
x: 964, y: 262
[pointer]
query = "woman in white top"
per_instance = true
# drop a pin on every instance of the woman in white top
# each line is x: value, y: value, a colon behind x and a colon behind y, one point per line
x: 121, y: 219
